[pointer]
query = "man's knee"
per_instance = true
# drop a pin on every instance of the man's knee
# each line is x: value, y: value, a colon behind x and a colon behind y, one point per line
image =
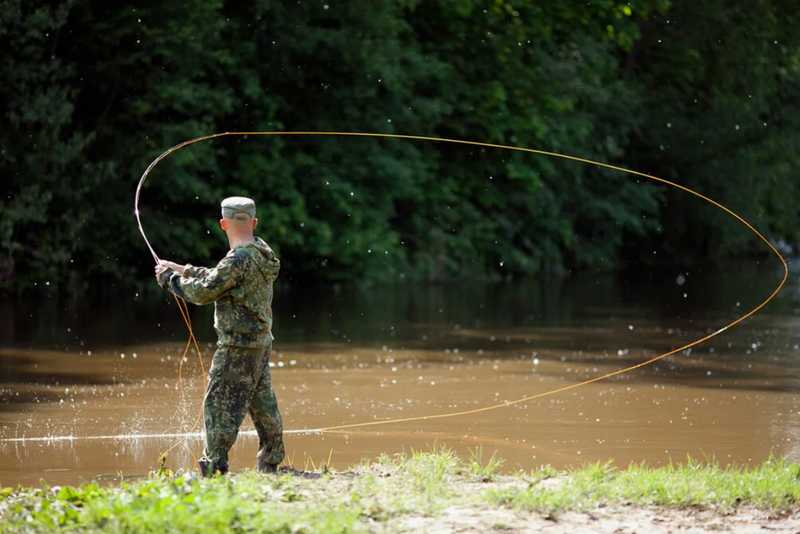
x: 221, y: 436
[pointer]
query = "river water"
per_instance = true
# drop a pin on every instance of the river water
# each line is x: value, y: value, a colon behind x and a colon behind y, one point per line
x: 90, y: 391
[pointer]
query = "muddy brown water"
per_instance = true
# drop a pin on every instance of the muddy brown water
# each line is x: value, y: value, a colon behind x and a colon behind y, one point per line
x: 91, y: 391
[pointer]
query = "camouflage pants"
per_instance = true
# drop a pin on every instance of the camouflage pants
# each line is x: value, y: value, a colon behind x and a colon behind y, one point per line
x: 239, y: 382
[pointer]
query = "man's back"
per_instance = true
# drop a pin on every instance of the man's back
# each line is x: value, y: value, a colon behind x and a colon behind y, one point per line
x: 243, y: 316
x: 241, y: 287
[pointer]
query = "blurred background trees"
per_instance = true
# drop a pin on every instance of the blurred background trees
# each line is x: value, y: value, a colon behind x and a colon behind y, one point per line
x: 708, y: 96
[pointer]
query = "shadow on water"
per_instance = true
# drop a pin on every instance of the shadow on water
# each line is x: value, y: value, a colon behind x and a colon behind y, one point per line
x: 28, y: 370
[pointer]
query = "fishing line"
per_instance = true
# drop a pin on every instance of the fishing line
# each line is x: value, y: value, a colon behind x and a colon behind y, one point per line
x: 526, y: 398
x: 184, y: 311
x: 533, y: 396
x: 183, y: 308
x: 192, y: 341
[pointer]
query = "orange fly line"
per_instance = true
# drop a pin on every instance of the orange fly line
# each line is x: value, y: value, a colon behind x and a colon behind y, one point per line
x: 344, y: 427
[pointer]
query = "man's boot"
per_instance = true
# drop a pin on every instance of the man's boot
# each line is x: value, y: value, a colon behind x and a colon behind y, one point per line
x: 269, y: 468
x: 265, y: 467
x: 208, y: 469
x: 262, y: 463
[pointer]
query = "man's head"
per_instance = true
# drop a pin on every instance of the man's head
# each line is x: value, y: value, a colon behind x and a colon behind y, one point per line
x: 238, y: 217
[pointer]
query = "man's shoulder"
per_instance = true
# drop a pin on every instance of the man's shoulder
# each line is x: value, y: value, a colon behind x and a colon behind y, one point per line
x: 264, y: 247
x: 238, y: 257
x: 259, y: 249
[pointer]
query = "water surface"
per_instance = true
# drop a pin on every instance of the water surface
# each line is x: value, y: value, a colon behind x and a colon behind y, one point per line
x: 96, y: 387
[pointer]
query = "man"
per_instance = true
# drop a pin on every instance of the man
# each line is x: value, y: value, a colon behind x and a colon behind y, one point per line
x: 239, y: 378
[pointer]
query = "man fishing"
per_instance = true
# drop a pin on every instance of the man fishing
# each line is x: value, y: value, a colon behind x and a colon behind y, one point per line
x: 240, y: 286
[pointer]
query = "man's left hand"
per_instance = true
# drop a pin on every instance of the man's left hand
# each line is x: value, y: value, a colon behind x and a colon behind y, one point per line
x: 162, y: 271
x: 178, y: 268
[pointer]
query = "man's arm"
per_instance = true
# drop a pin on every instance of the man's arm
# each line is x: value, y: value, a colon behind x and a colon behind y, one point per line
x: 200, y: 285
x: 194, y: 270
x: 166, y: 264
x: 185, y: 270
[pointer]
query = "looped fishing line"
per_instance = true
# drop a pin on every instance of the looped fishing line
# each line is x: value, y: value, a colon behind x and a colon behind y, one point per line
x: 339, y: 428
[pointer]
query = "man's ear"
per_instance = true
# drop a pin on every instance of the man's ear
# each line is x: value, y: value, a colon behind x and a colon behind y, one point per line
x: 223, y: 224
x: 255, y: 223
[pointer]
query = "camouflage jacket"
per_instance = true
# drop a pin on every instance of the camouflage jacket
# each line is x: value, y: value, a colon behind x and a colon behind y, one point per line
x: 240, y: 286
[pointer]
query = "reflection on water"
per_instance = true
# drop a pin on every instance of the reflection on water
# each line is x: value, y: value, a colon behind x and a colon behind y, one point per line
x: 92, y: 377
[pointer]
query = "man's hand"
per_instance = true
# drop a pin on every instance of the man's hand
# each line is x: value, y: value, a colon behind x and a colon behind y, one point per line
x: 163, y: 268
x: 162, y: 273
x: 172, y: 265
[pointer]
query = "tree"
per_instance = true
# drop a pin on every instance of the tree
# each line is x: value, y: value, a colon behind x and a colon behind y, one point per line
x: 44, y: 174
x: 722, y: 115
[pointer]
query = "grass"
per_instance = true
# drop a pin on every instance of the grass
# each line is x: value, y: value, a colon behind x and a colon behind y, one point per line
x: 180, y: 504
x: 385, y: 493
x: 485, y: 471
x: 773, y: 485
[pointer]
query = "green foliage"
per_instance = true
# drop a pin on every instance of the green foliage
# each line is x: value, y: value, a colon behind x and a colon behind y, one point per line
x: 708, y: 97
x: 373, y: 496
x: 484, y: 470
x: 429, y: 470
x: 724, y: 120
x: 772, y: 485
x: 180, y: 504
x: 39, y: 147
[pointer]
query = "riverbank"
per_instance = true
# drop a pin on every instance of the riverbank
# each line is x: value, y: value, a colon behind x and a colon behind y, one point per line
x: 433, y: 491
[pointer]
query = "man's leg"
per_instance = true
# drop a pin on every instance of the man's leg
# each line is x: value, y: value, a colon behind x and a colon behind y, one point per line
x: 267, y: 419
x: 230, y: 385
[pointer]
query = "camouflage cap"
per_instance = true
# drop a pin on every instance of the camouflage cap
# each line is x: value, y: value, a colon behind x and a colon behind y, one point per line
x: 238, y: 208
